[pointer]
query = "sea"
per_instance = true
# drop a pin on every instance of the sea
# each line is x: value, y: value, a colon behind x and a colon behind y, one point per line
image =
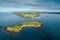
x: 49, y: 30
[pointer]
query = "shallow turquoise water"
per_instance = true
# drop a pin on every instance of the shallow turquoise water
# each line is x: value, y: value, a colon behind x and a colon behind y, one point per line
x: 48, y: 31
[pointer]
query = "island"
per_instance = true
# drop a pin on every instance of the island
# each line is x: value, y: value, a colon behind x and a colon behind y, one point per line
x: 13, y: 29
x: 18, y: 28
x: 28, y: 14
x: 31, y: 24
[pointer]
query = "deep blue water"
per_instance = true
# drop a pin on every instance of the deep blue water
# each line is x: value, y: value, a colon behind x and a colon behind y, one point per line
x: 50, y: 29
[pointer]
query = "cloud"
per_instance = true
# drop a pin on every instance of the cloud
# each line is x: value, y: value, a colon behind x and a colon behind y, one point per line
x: 33, y: 4
x: 7, y: 9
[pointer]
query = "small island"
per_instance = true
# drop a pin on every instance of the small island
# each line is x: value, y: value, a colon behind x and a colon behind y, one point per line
x: 18, y: 28
x: 29, y: 24
x: 28, y: 14
x: 14, y: 29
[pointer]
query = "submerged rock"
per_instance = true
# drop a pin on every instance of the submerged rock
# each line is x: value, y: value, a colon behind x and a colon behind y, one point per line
x: 0, y: 26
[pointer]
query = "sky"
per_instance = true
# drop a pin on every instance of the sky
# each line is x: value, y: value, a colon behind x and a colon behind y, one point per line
x: 30, y: 5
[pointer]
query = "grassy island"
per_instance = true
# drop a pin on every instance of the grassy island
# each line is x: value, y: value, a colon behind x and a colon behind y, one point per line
x: 18, y: 28
x: 28, y: 14
x: 33, y: 24
x: 13, y: 29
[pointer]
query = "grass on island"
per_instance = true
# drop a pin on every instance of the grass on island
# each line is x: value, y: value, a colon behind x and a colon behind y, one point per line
x: 28, y: 14
x: 35, y: 24
x: 22, y: 25
x: 14, y: 28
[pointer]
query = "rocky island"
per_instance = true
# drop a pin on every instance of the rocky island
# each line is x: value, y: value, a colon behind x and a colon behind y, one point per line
x: 28, y: 14
x: 18, y: 28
